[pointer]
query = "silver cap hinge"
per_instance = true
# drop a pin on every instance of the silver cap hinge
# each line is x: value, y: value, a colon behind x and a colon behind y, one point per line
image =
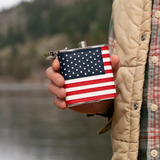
x: 51, y: 55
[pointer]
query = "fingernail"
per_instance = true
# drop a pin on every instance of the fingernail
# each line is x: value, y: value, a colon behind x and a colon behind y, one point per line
x: 58, y: 81
x: 55, y: 100
x: 59, y: 93
x: 60, y: 105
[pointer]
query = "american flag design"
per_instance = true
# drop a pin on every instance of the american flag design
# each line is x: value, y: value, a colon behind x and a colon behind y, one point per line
x: 88, y: 75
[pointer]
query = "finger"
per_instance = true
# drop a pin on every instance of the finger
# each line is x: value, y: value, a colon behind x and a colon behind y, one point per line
x: 59, y: 92
x: 60, y: 103
x: 55, y: 65
x: 115, y: 61
x: 55, y: 77
x: 93, y: 108
x: 103, y: 106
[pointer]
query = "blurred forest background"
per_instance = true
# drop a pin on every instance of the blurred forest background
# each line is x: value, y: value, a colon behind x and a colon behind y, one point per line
x: 31, y: 126
x: 33, y: 28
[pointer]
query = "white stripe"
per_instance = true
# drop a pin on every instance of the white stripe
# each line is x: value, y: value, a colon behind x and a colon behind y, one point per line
x: 107, y: 67
x: 105, y: 51
x: 89, y: 78
x: 89, y: 86
x: 106, y: 60
x: 91, y: 94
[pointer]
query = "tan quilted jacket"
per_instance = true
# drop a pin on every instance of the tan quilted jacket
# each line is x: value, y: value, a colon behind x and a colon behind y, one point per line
x: 132, y: 25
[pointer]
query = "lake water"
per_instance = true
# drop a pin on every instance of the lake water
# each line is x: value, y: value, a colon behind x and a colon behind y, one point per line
x: 32, y: 128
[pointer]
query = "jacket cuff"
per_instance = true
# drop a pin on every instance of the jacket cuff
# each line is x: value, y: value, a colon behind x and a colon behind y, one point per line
x: 108, y: 114
x: 106, y: 128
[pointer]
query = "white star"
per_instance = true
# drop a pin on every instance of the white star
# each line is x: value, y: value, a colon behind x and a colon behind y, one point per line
x: 76, y: 69
x: 81, y: 52
x: 92, y: 72
x: 84, y: 68
x: 64, y: 69
x: 89, y: 51
x: 91, y: 62
x: 96, y: 50
x: 67, y: 65
x: 78, y: 55
x: 63, y: 63
x: 72, y: 67
x: 85, y: 73
x: 94, y: 58
x: 97, y: 55
x: 93, y: 53
x: 69, y: 71
x: 77, y: 74
x: 83, y: 63
x: 86, y: 59
x: 70, y: 76
x: 74, y: 54
x: 66, y: 55
x: 81, y: 72
x: 95, y: 64
x: 76, y: 64
x: 62, y: 58
x: 66, y: 74
x: 75, y: 59
x: 90, y: 56
x: 79, y: 61
x: 71, y: 62
x: 82, y: 57
x: 86, y: 55
x: 80, y: 66
x: 88, y: 70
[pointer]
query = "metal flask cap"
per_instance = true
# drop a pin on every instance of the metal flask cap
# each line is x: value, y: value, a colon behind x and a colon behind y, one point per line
x: 82, y: 44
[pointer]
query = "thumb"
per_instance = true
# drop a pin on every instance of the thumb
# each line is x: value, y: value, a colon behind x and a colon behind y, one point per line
x: 115, y: 61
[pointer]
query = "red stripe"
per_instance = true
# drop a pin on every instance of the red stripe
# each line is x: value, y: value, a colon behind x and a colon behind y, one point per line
x: 108, y: 71
x: 90, y: 90
x: 104, y: 48
x: 107, y: 63
x: 88, y: 82
x: 109, y: 96
x: 105, y: 55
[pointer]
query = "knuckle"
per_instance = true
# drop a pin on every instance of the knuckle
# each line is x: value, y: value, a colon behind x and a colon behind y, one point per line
x: 55, y: 101
x: 48, y: 71
x: 62, y: 93
x: 60, y: 103
x: 50, y: 86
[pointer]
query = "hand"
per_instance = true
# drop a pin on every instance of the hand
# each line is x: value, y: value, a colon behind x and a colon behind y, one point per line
x: 57, y: 83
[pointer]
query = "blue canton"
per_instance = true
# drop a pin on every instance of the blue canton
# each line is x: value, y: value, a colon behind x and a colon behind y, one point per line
x: 81, y: 63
